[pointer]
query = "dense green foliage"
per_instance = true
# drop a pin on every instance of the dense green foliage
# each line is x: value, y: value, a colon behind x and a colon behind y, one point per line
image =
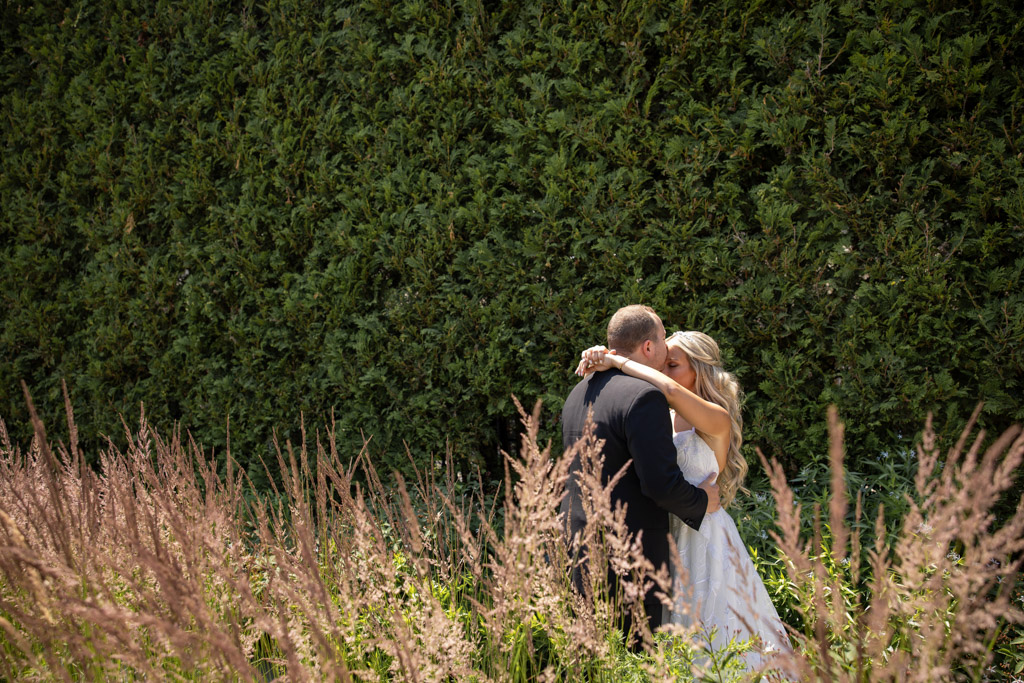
x: 408, y: 211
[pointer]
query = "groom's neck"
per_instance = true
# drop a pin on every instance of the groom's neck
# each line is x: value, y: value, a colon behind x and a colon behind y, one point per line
x: 639, y: 358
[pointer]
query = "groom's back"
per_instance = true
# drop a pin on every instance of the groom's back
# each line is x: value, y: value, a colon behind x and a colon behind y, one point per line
x: 632, y: 418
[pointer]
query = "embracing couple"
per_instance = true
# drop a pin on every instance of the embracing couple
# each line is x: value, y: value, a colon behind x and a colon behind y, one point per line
x: 669, y: 407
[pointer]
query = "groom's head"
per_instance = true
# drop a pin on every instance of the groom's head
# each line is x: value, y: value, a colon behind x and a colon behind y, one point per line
x: 637, y: 333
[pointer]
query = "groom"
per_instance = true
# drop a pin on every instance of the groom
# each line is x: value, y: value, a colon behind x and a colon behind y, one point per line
x: 632, y: 417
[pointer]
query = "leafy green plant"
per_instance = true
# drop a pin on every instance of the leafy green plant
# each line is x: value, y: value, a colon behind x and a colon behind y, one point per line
x: 244, y: 213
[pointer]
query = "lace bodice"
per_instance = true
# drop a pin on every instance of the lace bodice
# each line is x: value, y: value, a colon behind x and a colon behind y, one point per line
x: 694, y: 456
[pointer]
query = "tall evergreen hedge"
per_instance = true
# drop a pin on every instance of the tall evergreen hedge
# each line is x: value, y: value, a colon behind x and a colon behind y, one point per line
x: 405, y: 212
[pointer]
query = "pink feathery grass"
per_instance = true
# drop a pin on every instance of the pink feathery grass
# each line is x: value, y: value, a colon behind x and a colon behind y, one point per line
x: 929, y: 603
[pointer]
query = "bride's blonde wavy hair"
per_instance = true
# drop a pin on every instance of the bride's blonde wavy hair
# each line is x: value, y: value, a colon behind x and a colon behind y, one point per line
x: 716, y: 385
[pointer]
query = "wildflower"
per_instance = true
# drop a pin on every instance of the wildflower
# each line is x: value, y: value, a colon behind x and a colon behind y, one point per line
x: 953, y: 556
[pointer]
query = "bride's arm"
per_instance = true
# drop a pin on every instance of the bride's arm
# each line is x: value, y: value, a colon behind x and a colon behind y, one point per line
x: 706, y: 416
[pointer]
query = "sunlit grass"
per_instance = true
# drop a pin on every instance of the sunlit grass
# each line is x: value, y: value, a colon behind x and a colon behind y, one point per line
x: 159, y: 566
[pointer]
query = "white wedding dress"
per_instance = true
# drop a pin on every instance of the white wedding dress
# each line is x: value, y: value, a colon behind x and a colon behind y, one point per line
x: 727, y: 593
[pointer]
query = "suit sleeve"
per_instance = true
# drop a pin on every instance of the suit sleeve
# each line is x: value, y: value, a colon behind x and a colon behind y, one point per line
x: 649, y: 439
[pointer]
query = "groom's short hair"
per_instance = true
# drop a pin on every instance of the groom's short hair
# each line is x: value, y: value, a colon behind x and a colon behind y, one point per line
x: 631, y: 326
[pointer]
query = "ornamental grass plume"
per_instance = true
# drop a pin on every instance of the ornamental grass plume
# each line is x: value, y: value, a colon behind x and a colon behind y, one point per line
x: 928, y: 604
x: 524, y: 582
x: 101, y: 575
x: 156, y: 565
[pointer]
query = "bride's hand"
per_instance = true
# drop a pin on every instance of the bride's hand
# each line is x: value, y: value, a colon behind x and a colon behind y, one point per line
x: 595, y: 359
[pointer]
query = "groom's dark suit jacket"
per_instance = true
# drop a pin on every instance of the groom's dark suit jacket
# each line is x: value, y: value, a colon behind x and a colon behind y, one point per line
x: 632, y: 417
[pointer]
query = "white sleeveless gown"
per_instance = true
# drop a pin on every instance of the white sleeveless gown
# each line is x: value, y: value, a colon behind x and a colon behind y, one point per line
x: 727, y: 593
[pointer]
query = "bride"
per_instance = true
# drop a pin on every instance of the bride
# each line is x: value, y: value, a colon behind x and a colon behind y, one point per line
x: 724, y: 595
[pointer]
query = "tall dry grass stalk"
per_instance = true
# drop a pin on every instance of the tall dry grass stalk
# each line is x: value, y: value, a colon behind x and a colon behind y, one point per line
x: 156, y: 566
x: 925, y: 608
